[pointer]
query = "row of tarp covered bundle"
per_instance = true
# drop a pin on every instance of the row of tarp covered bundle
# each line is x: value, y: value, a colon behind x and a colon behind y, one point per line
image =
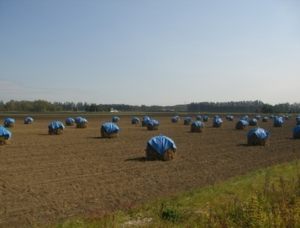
x: 145, y: 120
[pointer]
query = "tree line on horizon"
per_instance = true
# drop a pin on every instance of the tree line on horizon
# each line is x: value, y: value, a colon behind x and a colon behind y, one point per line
x: 228, y: 107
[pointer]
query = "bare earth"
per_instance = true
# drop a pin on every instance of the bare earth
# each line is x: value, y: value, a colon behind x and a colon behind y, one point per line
x: 45, y: 179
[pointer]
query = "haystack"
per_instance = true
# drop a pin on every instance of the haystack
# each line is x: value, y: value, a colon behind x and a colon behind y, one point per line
x: 28, y: 120
x: 5, y: 135
x: 278, y: 121
x: 135, y: 120
x: 257, y: 136
x: 109, y: 130
x: 145, y: 121
x: 241, y: 124
x: 175, y: 119
x: 81, y: 122
x: 217, y: 121
x: 298, y: 120
x: 9, y: 122
x: 296, y: 132
x: 115, y: 119
x: 253, y: 122
x: 152, y: 125
x: 197, y: 126
x: 230, y: 117
x: 70, y: 121
x: 187, y: 120
x: 160, y: 148
x: 205, y: 118
x: 199, y: 117
x: 55, y: 128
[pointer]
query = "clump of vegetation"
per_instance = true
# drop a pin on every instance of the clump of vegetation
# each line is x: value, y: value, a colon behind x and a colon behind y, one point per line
x: 277, y: 204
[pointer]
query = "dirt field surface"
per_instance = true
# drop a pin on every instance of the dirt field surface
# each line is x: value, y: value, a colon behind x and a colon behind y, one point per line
x: 45, y: 179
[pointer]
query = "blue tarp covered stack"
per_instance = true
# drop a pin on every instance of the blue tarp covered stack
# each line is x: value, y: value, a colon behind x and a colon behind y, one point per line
x: 4, y: 135
x: 253, y: 122
x: 298, y: 120
x: 278, y: 121
x: 217, y: 121
x: 230, y: 117
x: 296, y: 132
x: 175, y: 119
x: 9, y: 122
x: 205, y: 118
x: 115, y: 119
x: 81, y: 122
x: 199, y: 117
x: 109, y: 130
x: 241, y: 124
x: 55, y: 127
x: 70, y: 121
x: 28, y: 120
x: 160, y: 148
x: 187, y: 120
x: 135, y: 120
x: 197, y: 126
x: 152, y: 124
x: 145, y: 120
x: 265, y: 119
x: 257, y: 136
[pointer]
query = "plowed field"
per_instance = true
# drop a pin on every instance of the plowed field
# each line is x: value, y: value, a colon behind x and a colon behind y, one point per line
x: 46, y: 178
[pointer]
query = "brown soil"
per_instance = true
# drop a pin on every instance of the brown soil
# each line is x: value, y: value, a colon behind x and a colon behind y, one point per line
x: 48, y: 178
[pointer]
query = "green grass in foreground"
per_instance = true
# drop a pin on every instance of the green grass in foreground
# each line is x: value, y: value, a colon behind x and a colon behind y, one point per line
x: 265, y: 198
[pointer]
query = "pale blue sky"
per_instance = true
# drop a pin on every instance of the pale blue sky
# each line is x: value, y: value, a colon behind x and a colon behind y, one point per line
x: 150, y: 51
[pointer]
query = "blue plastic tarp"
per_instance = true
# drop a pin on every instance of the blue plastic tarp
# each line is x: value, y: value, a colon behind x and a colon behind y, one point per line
x: 296, y: 132
x: 198, y: 124
x: 56, y: 125
x: 205, y: 118
x: 110, y: 127
x: 244, y: 122
x: 115, y: 118
x: 135, y: 120
x: 153, y: 122
x: 217, y: 120
x: 259, y: 132
x: 70, y: 120
x: 5, y: 133
x: 253, y: 121
x: 278, y: 121
x: 28, y: 119
x: 161, y: 144
x: 9, y: 121
x: 80, y: 120
x: 198, y: 117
